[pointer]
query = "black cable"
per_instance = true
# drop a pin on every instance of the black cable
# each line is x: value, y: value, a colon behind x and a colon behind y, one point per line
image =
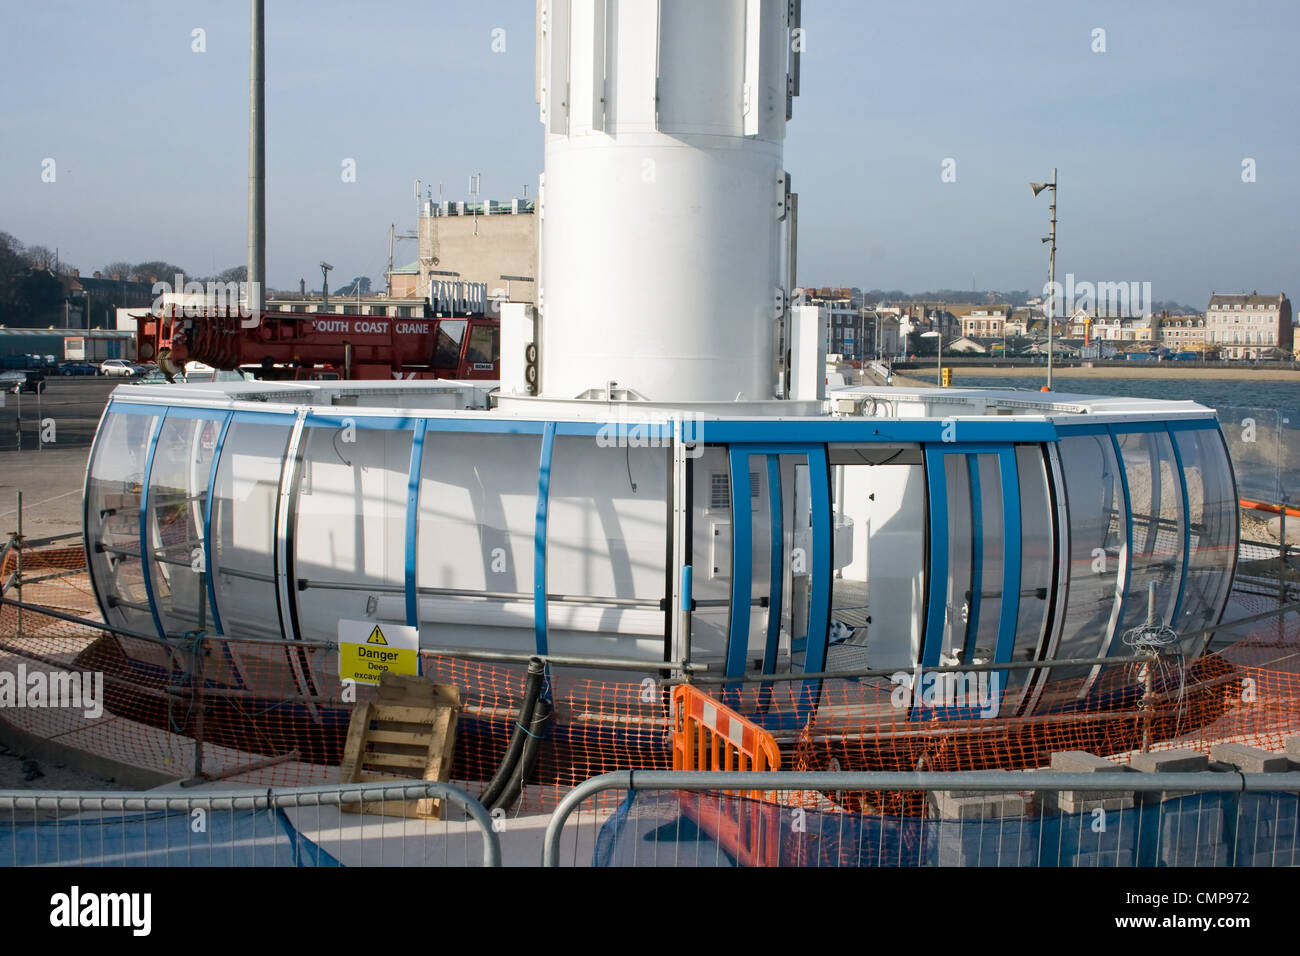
x: 335, y: 442
x: 528, y: 760
x: 532, y: 690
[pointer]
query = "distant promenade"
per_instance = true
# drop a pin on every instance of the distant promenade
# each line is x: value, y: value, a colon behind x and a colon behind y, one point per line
x: 916, y: 377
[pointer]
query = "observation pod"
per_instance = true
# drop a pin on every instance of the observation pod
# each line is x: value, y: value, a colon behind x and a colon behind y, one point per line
x: 663, y: 489
x: 920, y: 529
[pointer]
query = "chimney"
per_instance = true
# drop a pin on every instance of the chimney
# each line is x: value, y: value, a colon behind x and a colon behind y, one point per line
x: 98, y: 276
x: 76, y: 273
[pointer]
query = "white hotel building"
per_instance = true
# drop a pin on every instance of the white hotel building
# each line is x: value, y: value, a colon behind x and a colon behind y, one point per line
x: 1248, y: 326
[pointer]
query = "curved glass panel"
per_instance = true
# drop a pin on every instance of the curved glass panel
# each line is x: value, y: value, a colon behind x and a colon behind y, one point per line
x: 1037, y: 559
x: 957, y: 597
x: 986, y: 560
x: 606, y: 548
x: 1156, y: 547
x: 1212, y: 507
x: 1096, y: 518
x: 349, y: 531
x: 775, y: 502
x: 242, y: 562
x: 474, y: 540
x: 973, y: 599
x: 797, y: 530
x: 768, y: 591
x: 178, y: 490
x: 113, y: 495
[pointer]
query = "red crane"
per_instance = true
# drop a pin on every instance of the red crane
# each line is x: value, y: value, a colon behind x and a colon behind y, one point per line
x: 292, y: 344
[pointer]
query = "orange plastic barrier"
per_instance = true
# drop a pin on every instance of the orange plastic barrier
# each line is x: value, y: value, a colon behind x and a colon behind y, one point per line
x: 708, y: 735
x: 1271, y: 509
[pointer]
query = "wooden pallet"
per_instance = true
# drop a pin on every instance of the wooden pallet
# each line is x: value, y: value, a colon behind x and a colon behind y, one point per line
x: 409, y: 733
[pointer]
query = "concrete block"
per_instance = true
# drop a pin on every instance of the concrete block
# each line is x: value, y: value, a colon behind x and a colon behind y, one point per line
x: 1266, y: 830
x: 1171, y: 761
x: 1192, y: 832
x: 1080, y: 761
x: 1249, y: 759
x: 972, y: 843
x: 1084, y: 801
x: 1293, y: 748
x: 1090, y: 839
x: 1110, y: 853
x: 976, y: 805
x: 1104, y: 859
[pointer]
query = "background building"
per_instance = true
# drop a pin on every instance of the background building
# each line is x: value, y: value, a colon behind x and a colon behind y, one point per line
x: 1128, y: 328
x: 984, y: 322
x: 405, y: 281
x: 491, y: 242
x: 1249, y: 326
x: 883, y: 329
x: 844, y: 320
x: 1183, y: 333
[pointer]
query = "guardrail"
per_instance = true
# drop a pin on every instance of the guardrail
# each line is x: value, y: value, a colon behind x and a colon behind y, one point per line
x: 1170, y: 823
x: 237, y: 828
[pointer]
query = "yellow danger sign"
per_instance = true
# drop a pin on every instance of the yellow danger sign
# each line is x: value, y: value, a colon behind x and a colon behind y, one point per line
x: 367, y: 649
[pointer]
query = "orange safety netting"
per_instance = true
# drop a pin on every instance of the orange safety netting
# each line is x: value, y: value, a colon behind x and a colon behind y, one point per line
x: 275, y: 714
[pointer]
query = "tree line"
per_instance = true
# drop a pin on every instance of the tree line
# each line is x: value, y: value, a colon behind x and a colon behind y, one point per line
x: 35, y: 283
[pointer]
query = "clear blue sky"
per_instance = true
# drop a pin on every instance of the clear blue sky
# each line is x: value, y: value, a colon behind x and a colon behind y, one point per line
x: 150, y: 139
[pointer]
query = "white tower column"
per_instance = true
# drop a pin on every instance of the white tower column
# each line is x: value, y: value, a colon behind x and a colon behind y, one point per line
x: 665, y: 197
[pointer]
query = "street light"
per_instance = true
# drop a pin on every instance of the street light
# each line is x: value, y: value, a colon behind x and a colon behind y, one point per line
x: 1051, y: 271
x: 937, y: 335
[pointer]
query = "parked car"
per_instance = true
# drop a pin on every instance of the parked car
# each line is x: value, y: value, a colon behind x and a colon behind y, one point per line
x: 154, y: 376
x: 78, y: 368
x: 117, y: 367
x: 24, y: 380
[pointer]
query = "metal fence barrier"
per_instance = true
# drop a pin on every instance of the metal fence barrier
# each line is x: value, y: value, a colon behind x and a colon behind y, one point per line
x: 243, y: 827
x: 72, y: 405
x: 1107, y: 818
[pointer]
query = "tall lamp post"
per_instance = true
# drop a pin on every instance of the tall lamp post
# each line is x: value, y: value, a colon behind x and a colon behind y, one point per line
x: 939, y: 372
x: 1051, y: 271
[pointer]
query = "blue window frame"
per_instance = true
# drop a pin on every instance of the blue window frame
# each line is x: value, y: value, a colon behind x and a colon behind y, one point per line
x: 819, y: 569
x: 966, y: 546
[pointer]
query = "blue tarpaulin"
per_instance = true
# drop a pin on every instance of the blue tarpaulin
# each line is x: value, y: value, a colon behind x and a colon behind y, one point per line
x: 162, y: 838
x: 662, y: 828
